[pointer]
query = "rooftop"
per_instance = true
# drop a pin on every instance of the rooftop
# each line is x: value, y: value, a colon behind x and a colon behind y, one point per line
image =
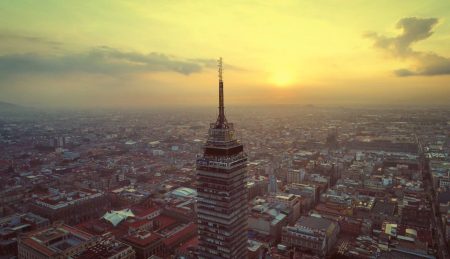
x: 104, y: 249
x: 143, y: 238
x: 117, y: 216
x: 384, y: 207
x: 184, y: 192
x: 59, y: 200
x: 53, y: 240
x: 315, y: 223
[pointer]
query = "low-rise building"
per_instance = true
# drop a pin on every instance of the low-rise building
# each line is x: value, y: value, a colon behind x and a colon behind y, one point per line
x: 290, y: 202
x: 107, y: 249
x: 145, y: 243
x: 54, y: 242
x: 71, y: 207
x: 311, y: 234
x: 267, y: 221
x: 12, y: 226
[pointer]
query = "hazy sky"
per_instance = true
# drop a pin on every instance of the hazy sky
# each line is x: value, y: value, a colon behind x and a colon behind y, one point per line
x: 160, y: 53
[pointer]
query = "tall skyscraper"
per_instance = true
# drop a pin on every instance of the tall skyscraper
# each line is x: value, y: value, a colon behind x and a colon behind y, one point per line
x: 273, y: 188
x: 222, y: 193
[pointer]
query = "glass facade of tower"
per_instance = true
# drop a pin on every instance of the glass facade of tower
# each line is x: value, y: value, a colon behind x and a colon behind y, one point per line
x: 222, y: 193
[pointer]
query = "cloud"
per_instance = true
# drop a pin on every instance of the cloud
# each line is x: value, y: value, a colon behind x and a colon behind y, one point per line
x: 9, y: 36
x: 413, y: 30
x: 100, y: 60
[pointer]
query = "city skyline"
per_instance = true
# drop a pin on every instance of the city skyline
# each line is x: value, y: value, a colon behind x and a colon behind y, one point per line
x: 162, y: 54
x: 310, y: 183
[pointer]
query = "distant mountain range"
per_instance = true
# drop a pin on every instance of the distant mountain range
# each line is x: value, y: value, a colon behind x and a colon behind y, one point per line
x: 5, y: 105
x: 11, y: 107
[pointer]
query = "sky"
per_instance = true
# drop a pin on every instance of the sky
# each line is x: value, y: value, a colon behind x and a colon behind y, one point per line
x: 137, y: 54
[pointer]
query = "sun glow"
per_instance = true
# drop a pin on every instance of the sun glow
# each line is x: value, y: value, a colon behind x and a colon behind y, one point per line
x: 282, y: 79
x: 67, y: 54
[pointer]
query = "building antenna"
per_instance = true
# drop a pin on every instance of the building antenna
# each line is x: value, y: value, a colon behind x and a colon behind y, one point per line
x: 221, y: 120
x: 219, y: 64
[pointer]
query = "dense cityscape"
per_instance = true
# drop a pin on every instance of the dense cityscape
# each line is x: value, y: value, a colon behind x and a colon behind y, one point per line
x: 320, y: 182
x: 323, y: 134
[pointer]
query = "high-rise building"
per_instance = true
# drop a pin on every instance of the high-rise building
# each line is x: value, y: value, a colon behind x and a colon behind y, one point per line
x: 273, y: 185
x: 222, y: 194
x: 295, y: 175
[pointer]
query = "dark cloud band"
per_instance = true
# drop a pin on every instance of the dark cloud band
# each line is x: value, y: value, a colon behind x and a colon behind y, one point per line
x: 103, y: 60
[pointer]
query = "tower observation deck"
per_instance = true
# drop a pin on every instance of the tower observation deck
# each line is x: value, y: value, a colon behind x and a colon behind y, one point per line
x: 222, y: 194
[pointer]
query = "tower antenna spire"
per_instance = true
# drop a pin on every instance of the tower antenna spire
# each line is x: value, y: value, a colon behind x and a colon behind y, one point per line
x: 221, y: 120
x: 219, y: 64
